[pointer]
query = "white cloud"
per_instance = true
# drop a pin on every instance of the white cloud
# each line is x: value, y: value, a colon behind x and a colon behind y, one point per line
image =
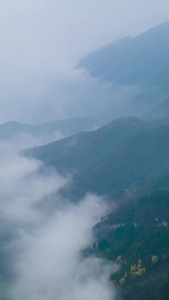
x: 23, y: 188
x: 51, y: 265
x: 48, y: 235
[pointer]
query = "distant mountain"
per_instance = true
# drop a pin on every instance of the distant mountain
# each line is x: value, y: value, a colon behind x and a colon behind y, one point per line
x: 139, y: 105
x: 142, y: 60
x: 64, y: 127
x: 159, y: 113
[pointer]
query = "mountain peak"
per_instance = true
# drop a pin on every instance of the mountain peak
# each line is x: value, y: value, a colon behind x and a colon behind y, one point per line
x: 128, y: 122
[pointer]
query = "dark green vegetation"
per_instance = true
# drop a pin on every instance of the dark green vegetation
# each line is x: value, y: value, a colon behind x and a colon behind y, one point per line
x: 136, y: 237
x: 142, y: 60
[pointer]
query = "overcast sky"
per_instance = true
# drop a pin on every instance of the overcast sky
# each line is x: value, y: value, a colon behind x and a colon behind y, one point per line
x: 42, y: 39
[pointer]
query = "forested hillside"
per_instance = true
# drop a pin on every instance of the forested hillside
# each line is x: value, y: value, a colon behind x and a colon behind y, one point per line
x: 136, y: 237
x: 119, y: 160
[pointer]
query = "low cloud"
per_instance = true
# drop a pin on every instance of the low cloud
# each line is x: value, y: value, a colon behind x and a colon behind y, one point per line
x: 23, y: 187
x: 48, y: 235
x: 51, y: 265
x: 60, y: 96
x: 10, y: 147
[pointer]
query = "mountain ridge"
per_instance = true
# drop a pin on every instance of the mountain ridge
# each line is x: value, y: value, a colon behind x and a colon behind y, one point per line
x: 141, y: 60
x: 66, y: 127
x: 119, y: 160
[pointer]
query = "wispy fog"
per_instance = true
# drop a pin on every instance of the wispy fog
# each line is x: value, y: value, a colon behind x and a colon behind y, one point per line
x: 20, y: 141
x: 51, y: 97
x: 47, y: 235
x: 51, y: 266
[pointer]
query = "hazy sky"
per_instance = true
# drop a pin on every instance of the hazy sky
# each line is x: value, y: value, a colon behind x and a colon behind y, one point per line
x: 42, y: 39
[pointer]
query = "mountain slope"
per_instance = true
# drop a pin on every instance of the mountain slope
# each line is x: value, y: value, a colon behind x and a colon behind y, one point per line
x: 136, y: 236
x: 142, y: 60
x: 79, y: 151
x: 144, y: 156
x: 91, y: 156
x: 113, y: 160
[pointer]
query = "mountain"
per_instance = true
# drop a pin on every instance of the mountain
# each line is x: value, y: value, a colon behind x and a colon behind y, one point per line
x: 78, y: 150
x: 90, y: 155
x: 64, y: 127
x: 136, y: 237
x: 141, y: 60
x: 121, y: 159
x: 159, y: 113
x: 82, y: 149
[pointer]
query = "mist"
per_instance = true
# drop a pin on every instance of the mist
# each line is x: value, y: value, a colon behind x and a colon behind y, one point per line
x: 51, y: 265
x: 54, y: 97
x: 45, y: 236
x: 42, y: 41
